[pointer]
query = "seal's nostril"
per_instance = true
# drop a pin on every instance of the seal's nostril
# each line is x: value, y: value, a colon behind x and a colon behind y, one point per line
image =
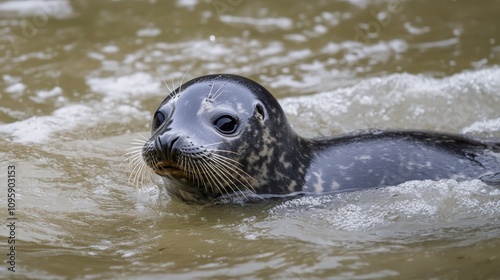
x: 158, y: 142
x: 158, y: 147
x: 171, y: 152
x: 173, y: 141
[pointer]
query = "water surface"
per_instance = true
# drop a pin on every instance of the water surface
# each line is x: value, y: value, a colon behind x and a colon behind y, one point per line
x: 80, y: 79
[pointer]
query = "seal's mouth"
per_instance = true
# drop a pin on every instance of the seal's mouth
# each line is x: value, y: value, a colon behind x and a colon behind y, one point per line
x: 167, y: 168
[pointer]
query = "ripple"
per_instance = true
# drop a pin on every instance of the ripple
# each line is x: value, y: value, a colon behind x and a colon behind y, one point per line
x: 398, y: 211
x: 402, y: 101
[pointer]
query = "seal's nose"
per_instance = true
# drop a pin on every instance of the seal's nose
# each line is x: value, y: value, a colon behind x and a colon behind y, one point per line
x: 165, y: 146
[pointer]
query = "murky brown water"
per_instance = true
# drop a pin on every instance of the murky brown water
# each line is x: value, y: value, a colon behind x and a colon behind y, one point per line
x: 79, y: 79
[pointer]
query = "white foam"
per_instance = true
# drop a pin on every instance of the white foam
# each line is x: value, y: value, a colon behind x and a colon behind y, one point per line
x: 412, y: 204
x: 125, y: 87
x: 281, y: 23
x: 37, y: 8
x: 271, y: 49
x: 492, y: 125
x: 401, y: 101
x: 43, y: 94
x: 11, y: 79
x: 291, y: 81
x: 96, y: 56
x: 15, y: 88
x: 39, y: 129
x: 148, y: 32
x: 110, y: 49
x: 121, y: 97
x: 381, y: 51
x: 438, y: 44
x: 187, y: 3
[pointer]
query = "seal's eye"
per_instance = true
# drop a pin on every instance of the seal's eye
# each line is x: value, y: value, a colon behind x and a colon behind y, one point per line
x: 158, y: 119
x: 226, y: 124
x: 162, y: 114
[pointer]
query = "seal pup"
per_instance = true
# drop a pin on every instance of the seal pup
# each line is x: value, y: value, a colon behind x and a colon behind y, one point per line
x: 226, y: 135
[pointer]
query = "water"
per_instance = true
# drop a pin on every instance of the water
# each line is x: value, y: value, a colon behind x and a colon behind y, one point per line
x: 79, y: 80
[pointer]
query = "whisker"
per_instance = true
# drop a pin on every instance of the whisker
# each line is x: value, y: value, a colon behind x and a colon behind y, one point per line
x: 242, y: 174
x: 196, y: 175
x: 138, y: 147
x: 164, y: 82
x: 173, y: 85
x: 130, y: 157
x: 223, y: 91
x: 225, y: 151
x: 134, y: 160
x: 142, y: 136
x: 182, y: 79
x: 214, y: 174
x: 136, y: 172
x: 218, y: 174
x: 217, y: 143
x: 201, y: 178
x: 188, y: 168
x: 185, y: 165
x: 209, y: 96
x: 137, y: 144
x: 169, y: 90
x: 222, y: 170
x: 204, y: 167
x: 132, y: 152
x: 216, y: 93
x: 139, y: 172
x: 228, y: 159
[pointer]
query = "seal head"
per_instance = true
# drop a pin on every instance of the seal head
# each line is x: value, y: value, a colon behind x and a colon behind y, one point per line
x: 222, y: 135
